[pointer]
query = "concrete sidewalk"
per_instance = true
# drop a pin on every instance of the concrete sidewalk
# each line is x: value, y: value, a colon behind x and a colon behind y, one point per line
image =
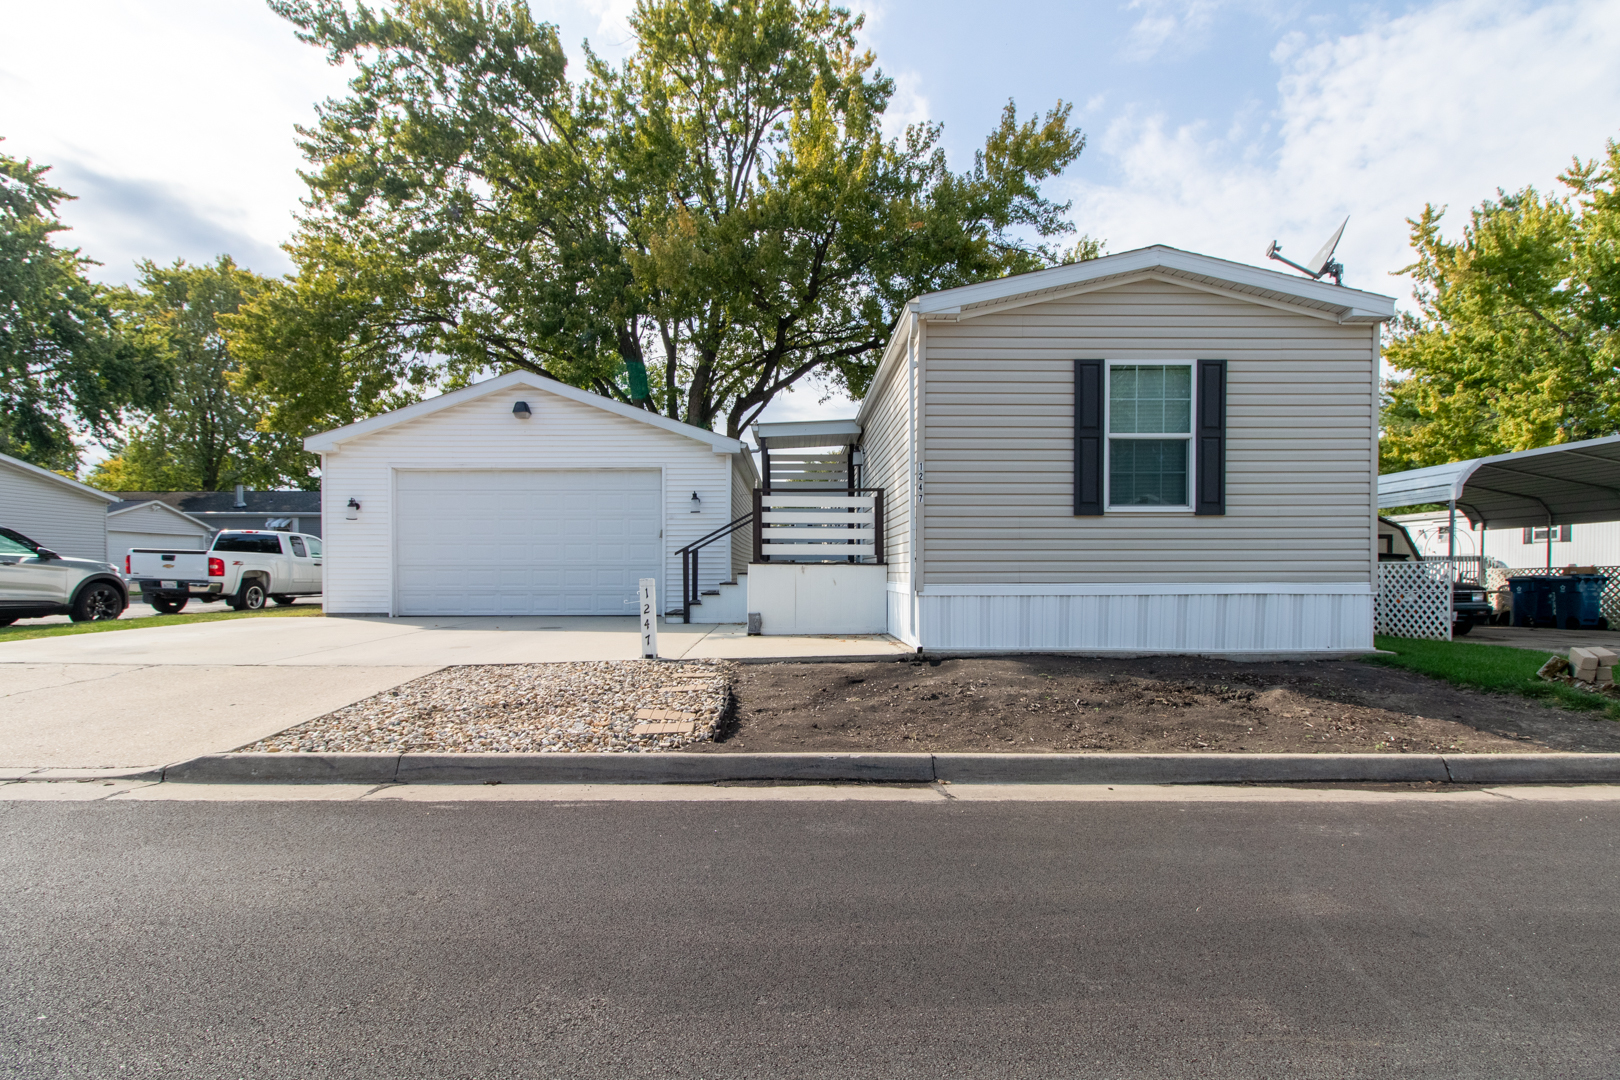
x: 369, y: 641
x: 150, y: 697
x: 89, y: 716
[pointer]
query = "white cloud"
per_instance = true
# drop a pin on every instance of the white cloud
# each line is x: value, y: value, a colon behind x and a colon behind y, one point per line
x: 1442, y: 105
x: 1182, y: 24
x: 908, y: 106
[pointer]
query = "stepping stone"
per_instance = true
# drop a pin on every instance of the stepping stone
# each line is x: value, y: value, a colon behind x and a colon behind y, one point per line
x: 664, y: 714
x: 684, y: 727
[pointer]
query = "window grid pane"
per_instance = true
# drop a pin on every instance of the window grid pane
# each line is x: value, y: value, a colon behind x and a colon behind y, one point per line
x: 1150, y: 399
x: 1147, y: 472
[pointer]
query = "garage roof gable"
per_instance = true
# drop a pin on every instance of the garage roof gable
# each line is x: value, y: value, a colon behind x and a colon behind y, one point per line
x: 330, y: 441
x: 125, y: 507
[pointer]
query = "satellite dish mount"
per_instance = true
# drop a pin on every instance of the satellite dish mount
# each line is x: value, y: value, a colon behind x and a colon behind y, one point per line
x: 1322, y: 264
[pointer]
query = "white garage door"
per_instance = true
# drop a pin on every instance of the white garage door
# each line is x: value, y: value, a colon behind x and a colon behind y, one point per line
x: 540, y: 542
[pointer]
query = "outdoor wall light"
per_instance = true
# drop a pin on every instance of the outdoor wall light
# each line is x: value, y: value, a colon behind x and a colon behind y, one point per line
x: 520, y: 409
x: 354, y: 509
x: 697, y: 504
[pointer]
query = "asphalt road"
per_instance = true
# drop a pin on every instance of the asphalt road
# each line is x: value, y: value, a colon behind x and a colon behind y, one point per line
x: 823, y: 940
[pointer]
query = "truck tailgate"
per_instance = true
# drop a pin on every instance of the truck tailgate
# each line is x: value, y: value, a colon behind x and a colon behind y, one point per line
x: 171, y: 564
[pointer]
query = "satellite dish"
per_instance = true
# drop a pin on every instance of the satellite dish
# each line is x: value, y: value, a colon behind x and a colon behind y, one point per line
x: 1321, y: 264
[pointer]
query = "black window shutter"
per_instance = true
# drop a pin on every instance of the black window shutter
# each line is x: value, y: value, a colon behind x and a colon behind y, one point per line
x: 1088, y: 437
x: 1529, y: 535
x: 1568, y: 534
x: 1210, y: 432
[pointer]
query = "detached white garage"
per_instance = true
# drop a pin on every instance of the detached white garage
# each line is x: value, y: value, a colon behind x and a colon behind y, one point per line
x: 521, y: 496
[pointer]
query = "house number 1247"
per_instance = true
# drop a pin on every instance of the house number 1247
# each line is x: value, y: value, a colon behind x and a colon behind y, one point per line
x: 647, y: 604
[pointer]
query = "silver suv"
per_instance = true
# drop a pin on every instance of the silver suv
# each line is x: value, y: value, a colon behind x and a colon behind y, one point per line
x: 35, y: 581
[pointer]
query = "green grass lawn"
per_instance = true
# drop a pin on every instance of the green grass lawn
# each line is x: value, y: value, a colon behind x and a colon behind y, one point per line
x: 1488, y: 667
x: 24, y: 633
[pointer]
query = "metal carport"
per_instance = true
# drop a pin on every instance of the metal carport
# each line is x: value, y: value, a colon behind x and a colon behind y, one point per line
x: 1568, y: 484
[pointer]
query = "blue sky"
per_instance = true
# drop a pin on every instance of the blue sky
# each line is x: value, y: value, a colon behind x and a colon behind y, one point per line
x: 1213, y: 125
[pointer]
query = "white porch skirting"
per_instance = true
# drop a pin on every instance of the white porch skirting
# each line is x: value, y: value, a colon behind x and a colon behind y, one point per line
x: 1330, y: 618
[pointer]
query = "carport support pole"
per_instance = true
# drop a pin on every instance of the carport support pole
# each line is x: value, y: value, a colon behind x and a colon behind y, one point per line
x: 1549, y: 542
x: 1451, y: 564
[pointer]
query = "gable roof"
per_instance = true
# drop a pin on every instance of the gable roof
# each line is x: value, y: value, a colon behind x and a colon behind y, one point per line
x: 56, y: 478
x: 1159, y: 262
x: 124, y: 506
x: 1170, y: 264
x: 330, y: 441
x: 297, y: 503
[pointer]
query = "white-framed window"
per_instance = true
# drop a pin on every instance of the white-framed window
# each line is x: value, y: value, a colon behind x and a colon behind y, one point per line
x: 1149, y: 435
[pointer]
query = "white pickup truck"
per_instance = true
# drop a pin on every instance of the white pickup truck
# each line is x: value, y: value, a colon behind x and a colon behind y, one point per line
x: 244, y: 566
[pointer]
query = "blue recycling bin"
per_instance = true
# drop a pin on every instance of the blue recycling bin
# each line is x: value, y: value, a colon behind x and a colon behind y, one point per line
x: 1578, y: 601
x: 1533, y: 601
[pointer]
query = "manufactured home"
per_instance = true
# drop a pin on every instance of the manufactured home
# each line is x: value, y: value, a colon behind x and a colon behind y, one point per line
x: 1155, y: 451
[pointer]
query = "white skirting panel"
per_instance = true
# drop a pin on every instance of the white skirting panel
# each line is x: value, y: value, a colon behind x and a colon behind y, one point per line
x: 900, y: 608
x: 1225, y: 622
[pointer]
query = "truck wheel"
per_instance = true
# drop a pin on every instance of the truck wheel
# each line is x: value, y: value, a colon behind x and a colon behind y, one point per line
x: 1460, y: 629
x: 283, y: 600
x: 250, y: 597
x: 97, y: 602
x: 165, y: 605
x: 6, y: 620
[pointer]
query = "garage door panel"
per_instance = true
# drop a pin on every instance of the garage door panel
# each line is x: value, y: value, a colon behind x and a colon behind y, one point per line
x: 540, y: 542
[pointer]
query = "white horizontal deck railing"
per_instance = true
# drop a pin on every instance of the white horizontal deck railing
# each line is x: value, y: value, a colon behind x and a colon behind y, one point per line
x: 811, y: 527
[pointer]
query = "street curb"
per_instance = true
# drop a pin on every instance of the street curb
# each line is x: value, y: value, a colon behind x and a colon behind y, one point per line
x: 285, y: 768
x: 1184, y: 768
x: 690, y: 768
x: 1534, y: 768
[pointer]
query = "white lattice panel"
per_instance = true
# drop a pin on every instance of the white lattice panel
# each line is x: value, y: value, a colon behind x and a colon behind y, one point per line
x: 1414, y: 601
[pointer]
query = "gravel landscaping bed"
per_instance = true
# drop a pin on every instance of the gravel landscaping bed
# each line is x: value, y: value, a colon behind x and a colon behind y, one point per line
x: 622, y: 705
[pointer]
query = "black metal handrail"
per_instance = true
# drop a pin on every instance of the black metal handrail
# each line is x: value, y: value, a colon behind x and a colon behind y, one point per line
x: 689, y: 562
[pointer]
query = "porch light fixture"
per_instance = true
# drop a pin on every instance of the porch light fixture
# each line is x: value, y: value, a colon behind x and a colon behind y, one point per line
x: 354, y: 509
x: 697, y: 504
x: 520, y: 409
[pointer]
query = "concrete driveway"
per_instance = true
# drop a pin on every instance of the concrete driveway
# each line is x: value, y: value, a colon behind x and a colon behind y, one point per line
x: 137, y: 698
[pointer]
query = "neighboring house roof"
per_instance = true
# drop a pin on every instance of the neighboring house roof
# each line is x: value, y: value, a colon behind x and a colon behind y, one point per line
x: 1290, y: 291
x: 1568, y: 484
x: 124, y: 506
x: 56, y: 478
x: 297, y: 503
x: 329, y: 441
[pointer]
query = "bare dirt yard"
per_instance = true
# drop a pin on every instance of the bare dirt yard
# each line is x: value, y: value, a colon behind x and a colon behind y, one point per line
x: 1148, y: 705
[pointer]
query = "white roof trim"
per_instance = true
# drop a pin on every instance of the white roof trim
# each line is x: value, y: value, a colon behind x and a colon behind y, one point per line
x: 330, y: 441
x: 159, y: 502
x: 82, y: 489
x: 1348, y: 304
x: 802, y: 434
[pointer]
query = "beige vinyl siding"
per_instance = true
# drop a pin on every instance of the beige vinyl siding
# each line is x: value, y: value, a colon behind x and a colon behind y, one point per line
x: 999, y: 443
x: 742, y: 502
x: 884, y: 439
x: 482, y: 434
x: 54, y: 515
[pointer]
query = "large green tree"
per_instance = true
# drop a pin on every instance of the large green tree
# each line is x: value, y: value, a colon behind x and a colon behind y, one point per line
x: 65, y: 359
x: 1516, y: 342
x: 206, y: 436
x: 693, y: 231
